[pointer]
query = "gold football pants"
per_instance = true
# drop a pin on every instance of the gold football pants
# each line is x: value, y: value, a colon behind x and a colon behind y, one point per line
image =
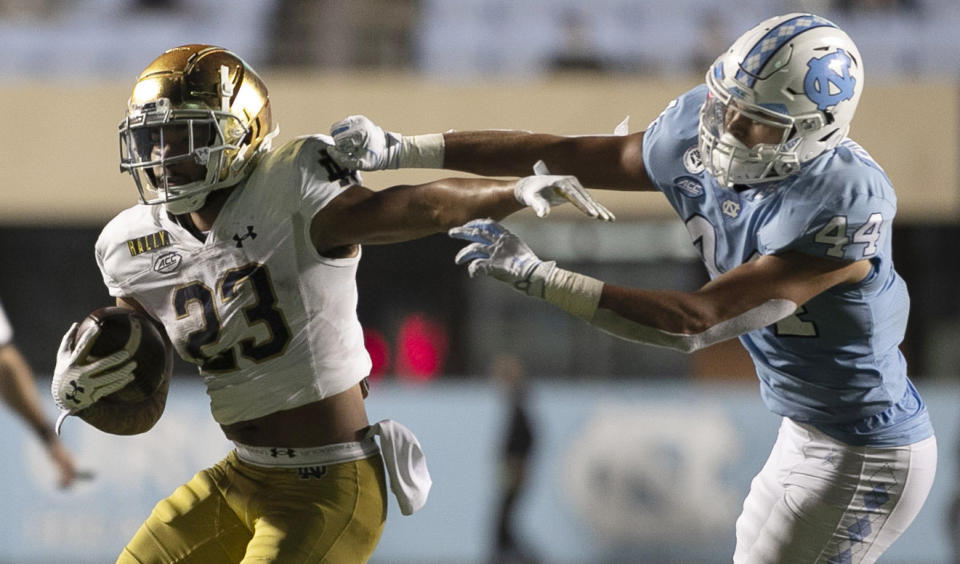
x: 237, y: 512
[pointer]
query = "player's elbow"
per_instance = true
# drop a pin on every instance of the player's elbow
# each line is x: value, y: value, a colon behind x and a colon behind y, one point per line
x: 692, y: 321
x: 685, y: 339
x: 679, y: 342
x: 688, y: 344
x: 699, y: 327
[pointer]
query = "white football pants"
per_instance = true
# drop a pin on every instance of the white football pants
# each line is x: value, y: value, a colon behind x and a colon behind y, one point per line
x: 819, y: 500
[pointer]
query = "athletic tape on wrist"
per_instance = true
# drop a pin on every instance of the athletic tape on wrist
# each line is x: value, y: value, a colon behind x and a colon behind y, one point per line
x: 572, y: 292
x: 421, y: 151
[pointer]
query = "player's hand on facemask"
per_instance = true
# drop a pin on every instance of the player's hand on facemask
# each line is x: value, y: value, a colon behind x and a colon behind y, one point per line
x: 495, y: 251
x: 78, y: 382
x: 361, y: 144
x: 544, y: 190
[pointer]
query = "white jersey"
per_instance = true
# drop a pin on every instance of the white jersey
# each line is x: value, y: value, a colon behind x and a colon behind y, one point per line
x: 271, y: 323
x: 6, y: 330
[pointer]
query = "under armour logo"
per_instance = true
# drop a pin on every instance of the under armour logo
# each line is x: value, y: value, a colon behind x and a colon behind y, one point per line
x: 72, y: 396
x: 239, y: 239
x: 277, y: 452
x: 828, y: 82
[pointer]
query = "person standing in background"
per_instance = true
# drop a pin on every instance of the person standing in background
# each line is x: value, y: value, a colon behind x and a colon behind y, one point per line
x: 516, y: 452
x: 953, y: 520
x: 20, y: 394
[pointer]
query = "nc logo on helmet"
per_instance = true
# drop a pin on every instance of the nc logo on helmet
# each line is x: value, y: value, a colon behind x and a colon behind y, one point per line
x: 828, y: 82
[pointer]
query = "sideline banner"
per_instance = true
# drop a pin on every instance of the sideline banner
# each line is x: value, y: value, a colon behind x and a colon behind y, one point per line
x: 621, y: 472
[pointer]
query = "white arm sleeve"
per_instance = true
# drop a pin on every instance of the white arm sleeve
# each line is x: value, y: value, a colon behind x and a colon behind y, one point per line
x: 764, y: 314
x: 580, y: 295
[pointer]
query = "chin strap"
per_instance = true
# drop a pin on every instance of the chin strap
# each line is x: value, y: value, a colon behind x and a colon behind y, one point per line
x: 188, y: 204
x: 265, y: 145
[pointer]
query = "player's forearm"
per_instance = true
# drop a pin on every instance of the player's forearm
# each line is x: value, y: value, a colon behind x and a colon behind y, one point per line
x: 679, y: 320
x: 602, y: 161
x: 18, y: 391
x: 497, y: 153
x: 409, y: 212
x: 127, y: 418
x: 454, y: 201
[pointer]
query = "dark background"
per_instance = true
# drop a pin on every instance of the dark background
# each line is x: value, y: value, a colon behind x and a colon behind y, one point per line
x: 50, y: 279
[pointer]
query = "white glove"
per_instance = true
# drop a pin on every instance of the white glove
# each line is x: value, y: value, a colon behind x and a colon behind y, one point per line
x: 363, y: 145
x: 495, y: 251
x: 78, y: 384
x: 543, y: 191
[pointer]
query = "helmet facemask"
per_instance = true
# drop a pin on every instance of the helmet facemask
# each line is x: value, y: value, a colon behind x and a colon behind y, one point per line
x: 177, y: 156
x: 727, y: 123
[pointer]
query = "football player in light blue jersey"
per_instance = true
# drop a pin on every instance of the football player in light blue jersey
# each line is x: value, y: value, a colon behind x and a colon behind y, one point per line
x: 793, y: 222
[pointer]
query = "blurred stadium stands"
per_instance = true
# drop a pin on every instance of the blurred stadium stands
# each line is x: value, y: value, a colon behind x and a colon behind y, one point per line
x: 454, y: 39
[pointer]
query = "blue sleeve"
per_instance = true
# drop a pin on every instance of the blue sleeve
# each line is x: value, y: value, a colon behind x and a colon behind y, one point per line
x: 844, y: 216
x: 670, y: 136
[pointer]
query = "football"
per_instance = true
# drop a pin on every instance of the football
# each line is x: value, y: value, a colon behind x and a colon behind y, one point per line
x: 153, y: 356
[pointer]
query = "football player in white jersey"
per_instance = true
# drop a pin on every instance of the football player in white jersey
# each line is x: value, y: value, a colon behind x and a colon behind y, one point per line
x: 18, y: 391
x: 793, y: 222
x: 246, y: 257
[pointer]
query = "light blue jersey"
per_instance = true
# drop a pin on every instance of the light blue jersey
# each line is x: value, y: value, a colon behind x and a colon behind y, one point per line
x: 836, y: 363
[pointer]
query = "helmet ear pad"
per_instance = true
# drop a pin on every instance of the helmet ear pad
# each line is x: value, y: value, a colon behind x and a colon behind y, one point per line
x: 798, y: 69
x: 194, y: 84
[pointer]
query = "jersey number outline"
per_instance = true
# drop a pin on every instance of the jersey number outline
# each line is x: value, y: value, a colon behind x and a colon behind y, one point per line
x: 834, y: 234
x: 703, y: 234
x: 264, y: 310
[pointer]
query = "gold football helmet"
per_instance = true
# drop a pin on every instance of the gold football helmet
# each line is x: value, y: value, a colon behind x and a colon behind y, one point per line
x: 197, y: 120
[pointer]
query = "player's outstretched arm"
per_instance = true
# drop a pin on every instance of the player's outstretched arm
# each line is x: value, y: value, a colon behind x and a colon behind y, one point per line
x: 401, y: 213
x: 599, y: 161
x: 749, y: 297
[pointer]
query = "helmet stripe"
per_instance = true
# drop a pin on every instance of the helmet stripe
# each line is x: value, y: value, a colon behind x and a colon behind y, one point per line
x: 768, y: 45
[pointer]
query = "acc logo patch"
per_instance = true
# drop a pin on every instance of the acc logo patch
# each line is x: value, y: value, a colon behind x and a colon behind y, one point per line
x: 828, y: 82
x: 692, y: 160
x: 689, y: 186
x: 167, y: 263
x: 150, y: 242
